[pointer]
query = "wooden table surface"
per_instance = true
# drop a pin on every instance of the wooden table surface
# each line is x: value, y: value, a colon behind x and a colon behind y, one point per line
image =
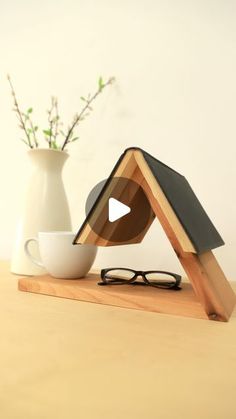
x: 64, y: 359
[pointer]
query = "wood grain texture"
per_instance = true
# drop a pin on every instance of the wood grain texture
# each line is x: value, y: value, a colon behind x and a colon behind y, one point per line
x: 133, y: 166
x: 210, y: 285
x: 58, y: 356
x: 187, y: 207
x: 97, y: 222
x: 204, y: 272
x: 163, y: 210
x: 181, y: 303
x: 207, y: 278
x: 175, y: 200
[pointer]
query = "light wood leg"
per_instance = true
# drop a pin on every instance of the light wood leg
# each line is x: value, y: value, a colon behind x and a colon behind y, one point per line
x: 210, y: 284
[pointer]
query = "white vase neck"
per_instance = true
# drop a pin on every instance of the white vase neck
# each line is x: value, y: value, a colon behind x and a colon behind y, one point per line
x: 45, y: 158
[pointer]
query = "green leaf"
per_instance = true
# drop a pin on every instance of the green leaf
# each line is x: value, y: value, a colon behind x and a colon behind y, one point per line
x: 36, y: 128
x: 74, y: 139
x: 55, y: 119
x: 100, y: 83
x: 47, y: 132
x: 83, y: 98
x: 54, y: 145
x: 30, y: 110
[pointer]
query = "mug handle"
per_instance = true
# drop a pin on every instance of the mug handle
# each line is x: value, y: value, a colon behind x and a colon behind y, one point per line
x: 32, y: 258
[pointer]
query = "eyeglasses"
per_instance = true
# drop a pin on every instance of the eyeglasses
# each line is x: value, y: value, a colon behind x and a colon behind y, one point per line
x: 159, y: 279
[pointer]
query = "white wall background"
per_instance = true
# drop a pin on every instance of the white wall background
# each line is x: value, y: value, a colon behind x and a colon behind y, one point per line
x: 175, y: 96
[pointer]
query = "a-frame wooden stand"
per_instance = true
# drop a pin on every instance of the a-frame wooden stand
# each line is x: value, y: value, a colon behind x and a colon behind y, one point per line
x: 206, y: 276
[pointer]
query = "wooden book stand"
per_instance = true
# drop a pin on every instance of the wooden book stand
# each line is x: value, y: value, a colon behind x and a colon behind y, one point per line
x: 186, y: 224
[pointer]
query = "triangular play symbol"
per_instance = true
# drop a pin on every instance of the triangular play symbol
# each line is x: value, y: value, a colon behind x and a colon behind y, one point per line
x: 116, y: 209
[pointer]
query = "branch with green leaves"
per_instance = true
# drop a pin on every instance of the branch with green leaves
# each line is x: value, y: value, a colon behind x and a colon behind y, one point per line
x: 54, y: 129
x: 84, y: 112
x: 25, y: 121
x: 51, y: 133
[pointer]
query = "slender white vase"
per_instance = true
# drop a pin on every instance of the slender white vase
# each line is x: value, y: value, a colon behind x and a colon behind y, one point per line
x: 46, y: 207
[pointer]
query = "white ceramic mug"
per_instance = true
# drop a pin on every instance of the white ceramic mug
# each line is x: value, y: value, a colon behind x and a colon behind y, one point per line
x: 60, y: 257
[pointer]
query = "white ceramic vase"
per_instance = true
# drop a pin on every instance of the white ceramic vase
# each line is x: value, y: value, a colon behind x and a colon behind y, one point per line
x: 46, y: 207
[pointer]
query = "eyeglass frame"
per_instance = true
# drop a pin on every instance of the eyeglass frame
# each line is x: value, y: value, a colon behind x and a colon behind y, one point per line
x: 119, y: 281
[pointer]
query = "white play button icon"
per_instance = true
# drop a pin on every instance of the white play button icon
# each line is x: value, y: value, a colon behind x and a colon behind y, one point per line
x: 116, y: 209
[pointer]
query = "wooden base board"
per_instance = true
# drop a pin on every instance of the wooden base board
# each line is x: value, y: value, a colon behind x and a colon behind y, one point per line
x: 180, y: 303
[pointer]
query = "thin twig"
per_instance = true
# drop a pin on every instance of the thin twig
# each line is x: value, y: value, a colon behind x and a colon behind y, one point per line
x: 50, y: 122
x: 56, y: 119
x: 19, y: 113
x: 33, y: 132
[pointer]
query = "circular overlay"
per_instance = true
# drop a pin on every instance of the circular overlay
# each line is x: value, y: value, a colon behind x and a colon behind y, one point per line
x: 109, y: 200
